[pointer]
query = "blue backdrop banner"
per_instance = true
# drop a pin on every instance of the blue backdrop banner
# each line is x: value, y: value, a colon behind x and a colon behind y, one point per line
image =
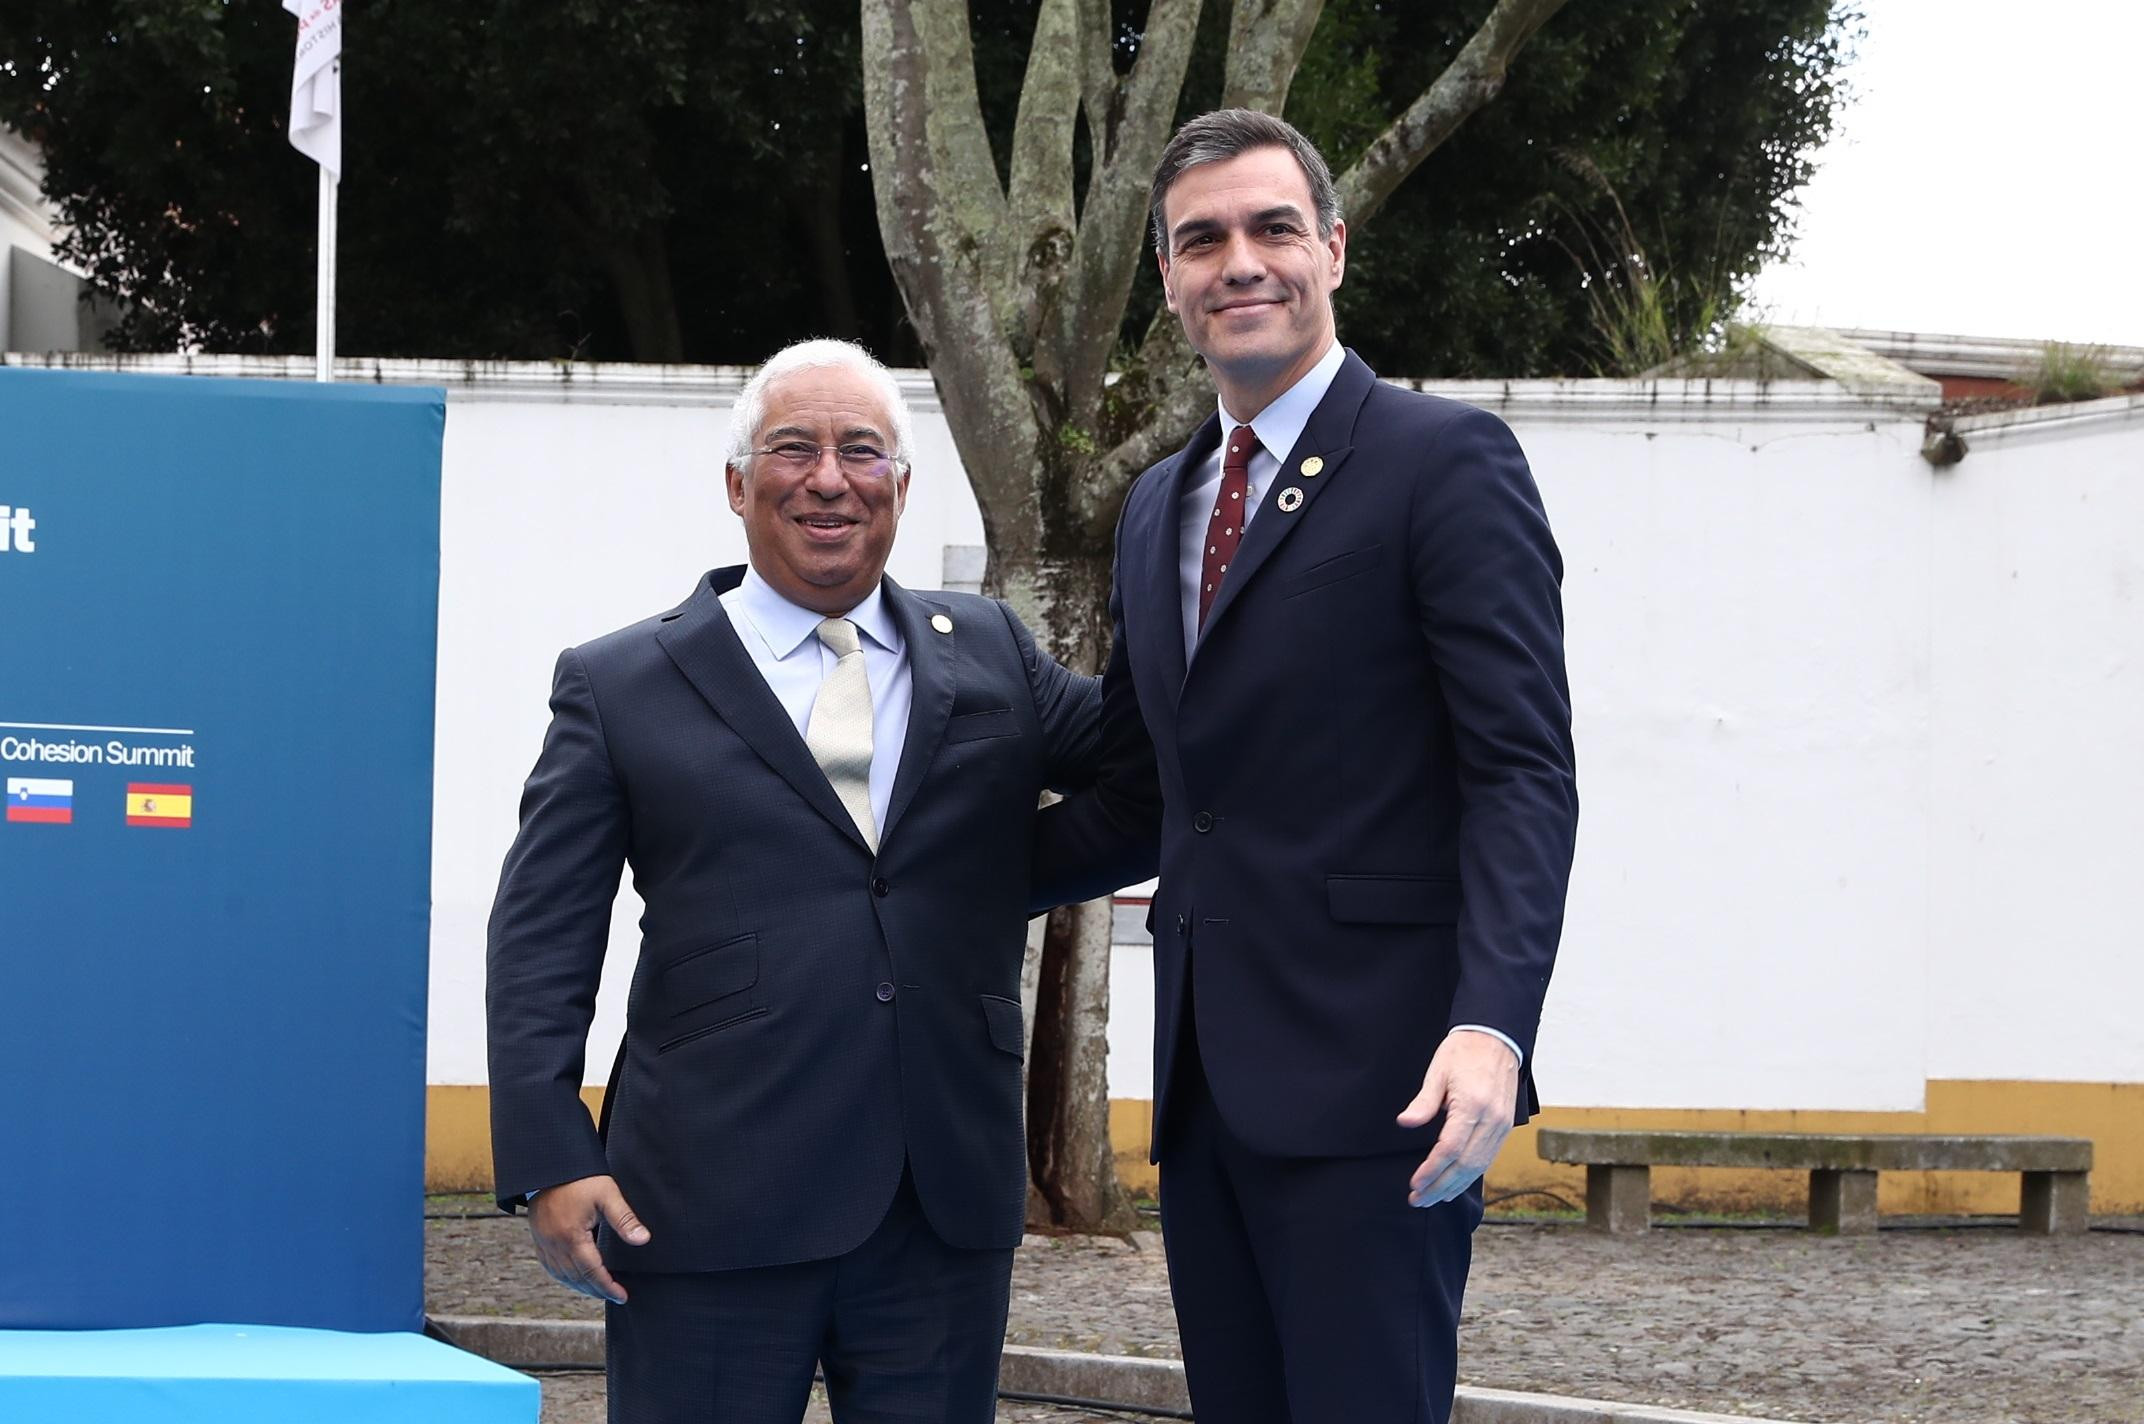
x: 218, y: 610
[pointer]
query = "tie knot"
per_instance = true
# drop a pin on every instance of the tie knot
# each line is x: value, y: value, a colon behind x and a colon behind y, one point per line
x: 1241, y: 445
x: 840, y: 635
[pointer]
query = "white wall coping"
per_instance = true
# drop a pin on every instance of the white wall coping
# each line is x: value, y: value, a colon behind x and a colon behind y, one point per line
x: 550, y: 382
x: 1993, y: 357
x: 1600, y: 401
x: 2043, y: 421
x: 1591, y: 401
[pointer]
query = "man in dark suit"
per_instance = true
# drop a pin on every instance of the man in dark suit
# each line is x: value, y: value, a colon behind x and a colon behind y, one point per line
x: 825, y: 787
x: 1337, y: 615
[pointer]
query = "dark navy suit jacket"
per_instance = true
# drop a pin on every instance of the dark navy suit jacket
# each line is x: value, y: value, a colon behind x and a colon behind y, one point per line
x: 804, y: 1016
x: 1366, y: 767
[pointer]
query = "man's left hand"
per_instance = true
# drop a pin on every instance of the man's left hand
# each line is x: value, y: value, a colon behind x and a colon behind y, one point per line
x: 1474, y: 1081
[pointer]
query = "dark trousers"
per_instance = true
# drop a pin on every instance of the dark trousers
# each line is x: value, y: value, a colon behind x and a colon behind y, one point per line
x: 907, y: 1328
x: 1307, y: 1290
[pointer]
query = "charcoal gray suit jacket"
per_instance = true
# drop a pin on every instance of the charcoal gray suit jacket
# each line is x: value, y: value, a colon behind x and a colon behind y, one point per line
x: 805, y: 1016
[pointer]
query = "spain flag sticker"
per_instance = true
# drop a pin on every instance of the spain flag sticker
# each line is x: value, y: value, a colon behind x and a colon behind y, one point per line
x: 149, y: 805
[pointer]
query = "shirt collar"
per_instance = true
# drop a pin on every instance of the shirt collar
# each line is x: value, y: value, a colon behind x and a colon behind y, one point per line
x: 785, y: 627
x: 1281, y: 423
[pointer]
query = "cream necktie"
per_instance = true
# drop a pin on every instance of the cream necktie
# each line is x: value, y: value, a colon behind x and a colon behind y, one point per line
x: 840, y: 732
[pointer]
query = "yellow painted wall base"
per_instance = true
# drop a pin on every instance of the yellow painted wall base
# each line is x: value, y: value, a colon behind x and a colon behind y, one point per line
x: 457, y: 1136
x: 2111, y: 1114
x: 2108, y: 1113
x: 458, y: 1147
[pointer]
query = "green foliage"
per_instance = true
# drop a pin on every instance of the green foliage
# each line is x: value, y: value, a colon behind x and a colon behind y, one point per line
x: 523, y: 178
x: 1643, y: 316
x: 669, y: 178
x: 2071, y: 373
x: 1701, y: 117
x: 1660, y: 140
x: 1077, y: 441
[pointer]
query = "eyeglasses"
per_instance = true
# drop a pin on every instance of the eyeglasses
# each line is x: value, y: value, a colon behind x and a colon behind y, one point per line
x: 799, y: 457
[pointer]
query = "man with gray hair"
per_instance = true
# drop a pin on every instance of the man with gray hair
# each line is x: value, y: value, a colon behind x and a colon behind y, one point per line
x: 825, y: 785
x: 1337, y: 619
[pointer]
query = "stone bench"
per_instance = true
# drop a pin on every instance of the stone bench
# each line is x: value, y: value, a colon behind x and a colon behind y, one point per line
x: 1842, y: 1170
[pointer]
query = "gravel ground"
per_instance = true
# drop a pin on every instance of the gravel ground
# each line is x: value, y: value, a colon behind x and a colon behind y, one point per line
x: 1958, y: 1324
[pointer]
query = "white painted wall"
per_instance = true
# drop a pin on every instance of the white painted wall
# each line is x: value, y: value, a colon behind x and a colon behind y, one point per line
x: 41, y: 306
x: 1747, y: 636
x: 2037, y: 827
x: 26, y: 219
x: 1861, y: 743
x: 563, y: 519
x: 1857, y: 801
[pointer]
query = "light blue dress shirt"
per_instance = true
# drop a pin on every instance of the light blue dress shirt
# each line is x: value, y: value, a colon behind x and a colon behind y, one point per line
x: 782, y: 639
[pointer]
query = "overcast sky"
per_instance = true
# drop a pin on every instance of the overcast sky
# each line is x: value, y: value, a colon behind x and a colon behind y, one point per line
x: 1984, y: 181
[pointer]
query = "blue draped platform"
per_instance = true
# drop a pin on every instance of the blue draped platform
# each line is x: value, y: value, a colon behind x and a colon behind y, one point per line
x: 219, y: 601
x: 252, y: 1374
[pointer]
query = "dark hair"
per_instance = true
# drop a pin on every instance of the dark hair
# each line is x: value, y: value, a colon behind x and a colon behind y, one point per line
x: 1229, y: 133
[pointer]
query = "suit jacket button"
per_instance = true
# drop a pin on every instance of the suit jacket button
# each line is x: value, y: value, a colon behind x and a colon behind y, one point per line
x: 1202, y: 822
x: 1181, y: 928
x: 880, y: 888
x: 885, y: 993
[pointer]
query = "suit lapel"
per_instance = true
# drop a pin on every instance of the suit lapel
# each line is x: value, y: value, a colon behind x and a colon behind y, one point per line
x: 930, y: 683
x: 1329, y: 437
x: 702, y: 641
x: 1164, y: 574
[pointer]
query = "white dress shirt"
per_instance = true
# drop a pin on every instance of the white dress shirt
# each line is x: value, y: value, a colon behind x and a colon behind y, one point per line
x: 784, y: 643
x: 1278, y: 427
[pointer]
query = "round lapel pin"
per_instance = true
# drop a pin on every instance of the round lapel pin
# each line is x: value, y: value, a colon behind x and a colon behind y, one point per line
x: 942, y: 623
x: 1291, y: 499
x: 1312, y: 466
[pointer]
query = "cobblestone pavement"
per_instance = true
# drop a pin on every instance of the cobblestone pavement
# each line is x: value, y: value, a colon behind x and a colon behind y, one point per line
x: 578, y: 1399
x: 1955, y: 1325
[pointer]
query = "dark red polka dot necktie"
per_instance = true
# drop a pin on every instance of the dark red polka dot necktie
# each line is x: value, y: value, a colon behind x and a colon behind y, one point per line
x: 1224, y: 532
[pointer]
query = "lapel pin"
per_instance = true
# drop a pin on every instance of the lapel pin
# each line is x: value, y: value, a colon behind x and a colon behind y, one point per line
x: 1291, y: 499
x: 942, y: 623
x: 1312, y: 466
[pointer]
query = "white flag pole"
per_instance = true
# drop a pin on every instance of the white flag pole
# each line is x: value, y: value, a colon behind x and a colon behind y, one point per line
x: 316, y: 132
x: 324, y: 314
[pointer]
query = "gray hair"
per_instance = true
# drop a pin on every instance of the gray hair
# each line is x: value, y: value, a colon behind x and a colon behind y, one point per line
x: 1230, y: 133
x: 816, y: 354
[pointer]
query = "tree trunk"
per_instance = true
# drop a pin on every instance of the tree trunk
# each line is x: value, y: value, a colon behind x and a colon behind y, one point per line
x: 1072, y: 1163
x: 1017, y: 294
x: 1070, y: 1157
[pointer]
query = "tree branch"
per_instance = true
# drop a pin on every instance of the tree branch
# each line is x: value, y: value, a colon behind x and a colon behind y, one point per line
x: 1100, y: 94
x: 940, y: 210
x: 1261, y: 62
x: 1110, y: 247
x: 1178, y: 395
x: 1471, y: 80
x: 1266, y: 40
x: 1035, y: 252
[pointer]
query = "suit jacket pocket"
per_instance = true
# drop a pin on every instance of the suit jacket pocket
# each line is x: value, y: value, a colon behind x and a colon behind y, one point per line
x: 1393, y: 899
x: 974, y: 726
x: 694, y: 1036
x: 1007, y: 1032
x: 705, y: 975
x: 1332, y: 570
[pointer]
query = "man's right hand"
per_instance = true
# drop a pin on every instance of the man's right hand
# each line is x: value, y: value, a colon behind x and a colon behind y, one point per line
x: 562, y: 1220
